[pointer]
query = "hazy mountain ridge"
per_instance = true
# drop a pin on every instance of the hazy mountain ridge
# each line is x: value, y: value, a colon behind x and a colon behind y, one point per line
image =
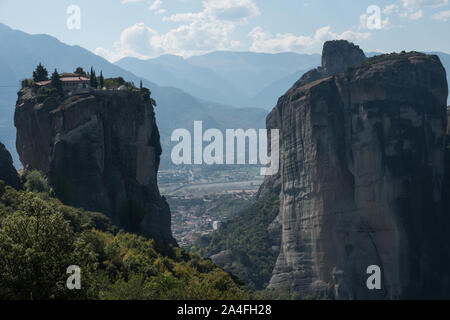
x: 21, y: 52
x: 174, y: 71
x: 253, y: 71
x: 240, y: 79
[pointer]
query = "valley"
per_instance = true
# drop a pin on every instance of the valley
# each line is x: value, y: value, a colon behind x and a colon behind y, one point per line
x: 203, y: 197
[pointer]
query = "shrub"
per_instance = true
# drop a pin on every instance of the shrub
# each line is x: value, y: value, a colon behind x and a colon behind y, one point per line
x: 35, y: 182
x: 246, y: 236
x: 27, y: 83
x: 46, y: 92
x: 115, y: 83
x: 40, y: 238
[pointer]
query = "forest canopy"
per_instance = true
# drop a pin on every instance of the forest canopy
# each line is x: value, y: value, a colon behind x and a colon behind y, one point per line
x: 40, y: 238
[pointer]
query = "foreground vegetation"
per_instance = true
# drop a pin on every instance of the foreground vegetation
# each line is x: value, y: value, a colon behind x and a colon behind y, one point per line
x: 40, y: 238
x: 247, y: 242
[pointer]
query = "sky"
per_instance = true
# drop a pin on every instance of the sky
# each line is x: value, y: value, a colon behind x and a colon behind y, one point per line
x: 149, y: 28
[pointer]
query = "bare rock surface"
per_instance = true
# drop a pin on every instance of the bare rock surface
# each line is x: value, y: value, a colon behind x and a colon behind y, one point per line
x: 361, y: 177
x: 7, y: 171
x: 101, y: 151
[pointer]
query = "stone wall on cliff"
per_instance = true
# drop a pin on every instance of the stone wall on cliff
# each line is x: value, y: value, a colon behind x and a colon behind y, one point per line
x: 101, y: 151
x: 361, y: 178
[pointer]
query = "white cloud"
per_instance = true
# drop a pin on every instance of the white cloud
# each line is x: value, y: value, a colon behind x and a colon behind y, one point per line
x: 413, y: 15
x: 135, y: 41
x: 185, y: 17
x: 416, y: 15
x: 130, y: 1
x: 442, y: 16
x: 424, y: 3
x: 265, y: 42
x: 390, y: 9
x: 197, y: 32
x: 155, y: 5
x: 231, y: 10
x: 220, y: 10
x: 413, y: 9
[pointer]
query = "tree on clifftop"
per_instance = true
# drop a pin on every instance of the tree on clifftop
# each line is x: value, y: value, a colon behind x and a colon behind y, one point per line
x: 101, y: 80
x: 40, y: 74
x: 148, y: 96
x: 93, y: 79
x: 56, y: 82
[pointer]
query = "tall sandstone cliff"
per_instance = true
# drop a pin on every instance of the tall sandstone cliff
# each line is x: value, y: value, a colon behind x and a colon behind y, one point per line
x: 362, y: 177
x: 7, y: 171
x: 101, y: 152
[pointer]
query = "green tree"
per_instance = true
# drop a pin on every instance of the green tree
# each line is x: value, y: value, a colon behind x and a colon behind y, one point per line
x: 56, y: 82
x: 35, y: 182
x: 248, y: 242
x: 36, y: 247
x: 93, y: 79
x: 101, y: 80
x: 40, y: 238
x: 148, y: 96
x: 40, y: 74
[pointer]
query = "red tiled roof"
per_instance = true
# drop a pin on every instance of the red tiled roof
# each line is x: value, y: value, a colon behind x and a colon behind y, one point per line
x: 44, y: 83
x: 74, y: 79
x: 67, y: 79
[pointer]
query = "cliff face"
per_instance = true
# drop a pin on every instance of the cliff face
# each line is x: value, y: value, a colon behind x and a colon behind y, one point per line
x: 361, y: 177
x: 101, y: 151
x: 337, y: 56
x: 7, y: 171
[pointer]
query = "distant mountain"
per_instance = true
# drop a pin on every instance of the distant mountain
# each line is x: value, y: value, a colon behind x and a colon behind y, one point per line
x: 254, y: 79
x: 267, y: 98
x: 240, y: 79
x: 21, y: 52
x: 254, y: 71
x: 169, y: 70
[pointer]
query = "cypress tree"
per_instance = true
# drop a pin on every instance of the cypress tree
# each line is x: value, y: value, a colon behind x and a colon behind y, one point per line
x: 102, y: 80
x: 57, y: 83
x: 40, y: 74
x: 93, y: 79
